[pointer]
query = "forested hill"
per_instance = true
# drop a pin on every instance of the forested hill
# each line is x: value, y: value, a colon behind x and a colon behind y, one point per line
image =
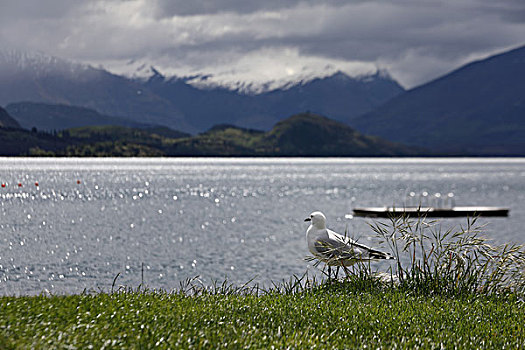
x: 300, y: 135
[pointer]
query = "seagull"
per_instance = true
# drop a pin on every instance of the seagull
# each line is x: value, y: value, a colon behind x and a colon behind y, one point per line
x: 335, y: 249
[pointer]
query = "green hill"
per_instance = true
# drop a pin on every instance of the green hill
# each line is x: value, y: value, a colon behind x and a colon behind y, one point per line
x: 300, y: 135
x: 313, y: 135
x: 221, y: 140
x: 21, y: 142
x: 93, y: 141
x: 115, y: 141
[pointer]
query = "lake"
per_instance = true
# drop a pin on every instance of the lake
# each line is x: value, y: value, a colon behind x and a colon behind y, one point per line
x: 163, y: 220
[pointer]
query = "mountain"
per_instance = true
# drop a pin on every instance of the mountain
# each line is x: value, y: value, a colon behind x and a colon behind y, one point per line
x: 303, y: 134
x: 339, y: 96
x: 6, y: 121
x: 40, y: 78
x: 118, y: 141
x: 88, y: 141
x: 300, y: 135
x: 478, y: 109
x: 313, y: 135
x: 175, y: 103
x: 57, y: 117
x: 22, y: 142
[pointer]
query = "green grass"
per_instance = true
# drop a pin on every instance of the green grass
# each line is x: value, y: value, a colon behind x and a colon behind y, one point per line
x: 332, y: 315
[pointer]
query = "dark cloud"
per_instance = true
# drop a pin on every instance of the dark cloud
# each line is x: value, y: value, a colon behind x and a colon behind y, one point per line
x: 415, y: 40
x: 169, y: 8
x: 38, y: 10
x: 508, y: 10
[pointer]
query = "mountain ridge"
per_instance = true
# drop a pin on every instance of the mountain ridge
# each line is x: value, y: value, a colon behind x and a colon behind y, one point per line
x: 475, y: 109
x: 204, y: 81
x: 340, y: 96
x: 176, y: 103
x: 6, y: 121
x: 46, y: 79
x: 50, y: 117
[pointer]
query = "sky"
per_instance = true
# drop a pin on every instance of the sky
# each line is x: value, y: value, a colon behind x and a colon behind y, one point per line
x: 257, y: 42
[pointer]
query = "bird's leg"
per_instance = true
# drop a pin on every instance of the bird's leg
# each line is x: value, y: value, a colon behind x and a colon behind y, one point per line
x: 329, y: 272
x: 337, y: 272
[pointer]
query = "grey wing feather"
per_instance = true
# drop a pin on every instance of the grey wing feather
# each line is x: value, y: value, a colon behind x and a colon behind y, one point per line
x: 336, y: 247
x: 351, y: 248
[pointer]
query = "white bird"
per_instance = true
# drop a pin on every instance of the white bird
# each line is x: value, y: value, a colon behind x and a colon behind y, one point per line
x: 335, y: 249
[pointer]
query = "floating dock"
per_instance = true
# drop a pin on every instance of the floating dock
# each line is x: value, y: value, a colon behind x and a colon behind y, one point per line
x: 385, y: 212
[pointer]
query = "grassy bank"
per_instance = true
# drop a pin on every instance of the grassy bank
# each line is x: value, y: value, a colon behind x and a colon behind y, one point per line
x: 448, y: 289
x: 341, y: 315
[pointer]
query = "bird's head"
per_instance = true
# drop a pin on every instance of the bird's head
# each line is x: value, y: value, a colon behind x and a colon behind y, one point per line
x: 317, y: 219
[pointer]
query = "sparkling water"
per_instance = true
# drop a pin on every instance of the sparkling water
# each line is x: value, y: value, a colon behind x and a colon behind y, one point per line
x: 69, y: 225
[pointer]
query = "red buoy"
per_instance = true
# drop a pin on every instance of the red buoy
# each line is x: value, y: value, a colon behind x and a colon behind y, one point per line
x: 19, y: 184
x: 3, y: 185
x: 78, y: 182
x: 36, y: 183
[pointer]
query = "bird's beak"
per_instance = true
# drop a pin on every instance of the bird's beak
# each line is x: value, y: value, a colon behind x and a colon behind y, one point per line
x: 308, y: 219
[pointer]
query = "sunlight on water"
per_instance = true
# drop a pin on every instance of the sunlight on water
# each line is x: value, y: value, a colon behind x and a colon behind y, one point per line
x: 74, y: 224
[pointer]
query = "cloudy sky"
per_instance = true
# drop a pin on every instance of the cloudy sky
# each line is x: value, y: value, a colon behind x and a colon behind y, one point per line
x: 270, y: 40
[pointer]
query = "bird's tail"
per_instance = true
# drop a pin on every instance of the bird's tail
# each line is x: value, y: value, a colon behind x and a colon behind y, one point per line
x: 374, y: 254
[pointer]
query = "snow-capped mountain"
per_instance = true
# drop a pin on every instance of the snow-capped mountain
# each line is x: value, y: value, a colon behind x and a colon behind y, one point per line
x: 35, y: 77
x: 145, y: 70
x: 338, y: 96
x: 192, y: 103
x: 209, y: 82
x: 36, y: 64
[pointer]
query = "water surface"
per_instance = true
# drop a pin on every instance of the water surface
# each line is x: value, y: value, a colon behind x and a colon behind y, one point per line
x: 217, y: 218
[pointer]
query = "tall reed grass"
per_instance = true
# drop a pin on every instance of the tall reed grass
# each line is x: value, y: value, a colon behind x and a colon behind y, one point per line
x: 452, y: 261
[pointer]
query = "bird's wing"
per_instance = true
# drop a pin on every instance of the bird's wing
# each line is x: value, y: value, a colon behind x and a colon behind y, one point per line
x: 333, y: 246
x: 339, y: 237
x: 363, y: 251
